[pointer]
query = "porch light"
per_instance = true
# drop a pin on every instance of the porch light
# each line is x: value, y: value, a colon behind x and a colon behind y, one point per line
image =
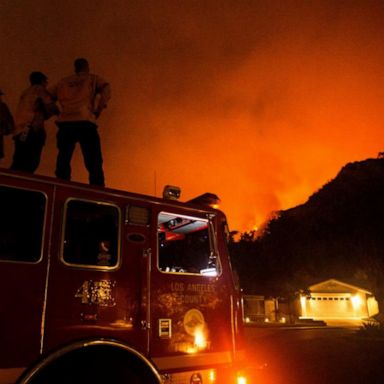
x: 357, y: 301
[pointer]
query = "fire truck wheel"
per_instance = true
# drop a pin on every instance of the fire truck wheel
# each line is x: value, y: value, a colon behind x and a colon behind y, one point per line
x: 97, y: 364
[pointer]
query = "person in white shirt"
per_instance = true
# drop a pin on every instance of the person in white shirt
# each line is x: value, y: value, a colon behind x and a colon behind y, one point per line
x: 35, y: 106
x: 81, y: 98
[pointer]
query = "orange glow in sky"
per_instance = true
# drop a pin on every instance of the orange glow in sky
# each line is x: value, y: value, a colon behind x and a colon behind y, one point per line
x: 260, y: 102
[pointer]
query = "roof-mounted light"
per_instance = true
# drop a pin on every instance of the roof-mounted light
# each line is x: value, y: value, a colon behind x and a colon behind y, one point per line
x: 171, y: 192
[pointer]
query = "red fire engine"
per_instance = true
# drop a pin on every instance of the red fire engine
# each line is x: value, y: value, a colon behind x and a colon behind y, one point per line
x: 101, y: 285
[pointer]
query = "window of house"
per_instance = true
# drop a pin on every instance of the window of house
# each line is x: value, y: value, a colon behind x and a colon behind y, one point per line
x: 21, y: 224
x: 186, y: 245
x: 91, y: 234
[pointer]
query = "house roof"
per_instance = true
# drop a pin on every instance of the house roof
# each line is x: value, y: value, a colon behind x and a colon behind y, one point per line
x: 336, y: 286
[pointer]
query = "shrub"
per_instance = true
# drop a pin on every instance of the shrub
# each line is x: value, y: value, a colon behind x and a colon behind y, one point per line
x: 372, y: 328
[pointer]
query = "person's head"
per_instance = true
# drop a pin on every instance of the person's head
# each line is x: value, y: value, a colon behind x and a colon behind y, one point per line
x: 38, y: 78
x: 81, y: 65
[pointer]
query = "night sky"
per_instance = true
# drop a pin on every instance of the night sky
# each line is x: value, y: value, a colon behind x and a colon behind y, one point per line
x: 260, y: 102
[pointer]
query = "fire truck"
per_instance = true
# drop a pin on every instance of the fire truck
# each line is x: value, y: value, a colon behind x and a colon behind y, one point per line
x: 105, y: 286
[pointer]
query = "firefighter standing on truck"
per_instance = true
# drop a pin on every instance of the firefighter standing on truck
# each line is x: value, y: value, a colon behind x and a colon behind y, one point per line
x: 81, y: 98
x: 34, y: 107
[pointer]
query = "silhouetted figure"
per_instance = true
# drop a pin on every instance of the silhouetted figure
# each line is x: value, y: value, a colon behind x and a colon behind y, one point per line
x: 6, y: 123
x: 35, y: 106
x: 104, y: 256
x: 81, y: 97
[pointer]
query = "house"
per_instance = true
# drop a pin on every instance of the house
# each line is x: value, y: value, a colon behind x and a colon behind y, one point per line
x: 334, y: 299
x: 258, y: 309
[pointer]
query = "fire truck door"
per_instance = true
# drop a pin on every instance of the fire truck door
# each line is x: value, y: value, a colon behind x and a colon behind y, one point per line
x: 95, y: 285
x: 186, y: 294
x: 25, y: 209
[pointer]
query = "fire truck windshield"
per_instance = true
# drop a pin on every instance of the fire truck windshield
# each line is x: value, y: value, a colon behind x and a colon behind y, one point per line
x: 185, y: 245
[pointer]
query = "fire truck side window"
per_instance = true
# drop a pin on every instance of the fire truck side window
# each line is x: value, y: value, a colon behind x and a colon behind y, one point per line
x: 91, y: 234
x: 21, y: 224
x: 185, y: 246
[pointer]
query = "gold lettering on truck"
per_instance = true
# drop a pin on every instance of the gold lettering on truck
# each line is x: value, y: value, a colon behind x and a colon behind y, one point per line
x: 190, y: 287
x: 97, y: 292
x: 195, y: 294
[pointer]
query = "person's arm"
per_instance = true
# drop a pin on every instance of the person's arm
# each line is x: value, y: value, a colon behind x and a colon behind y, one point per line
x: 7, y: 120
x: 103, y: 89
x: 52, y: 91
x: 48, y: 105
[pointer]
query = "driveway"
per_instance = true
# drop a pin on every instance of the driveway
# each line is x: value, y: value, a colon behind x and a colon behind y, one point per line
x: 314, y: 355
x: 344, y: 323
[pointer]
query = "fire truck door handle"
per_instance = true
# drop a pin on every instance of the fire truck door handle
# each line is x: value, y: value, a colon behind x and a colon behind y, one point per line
x: 147, y: 252
x: 145, y: 325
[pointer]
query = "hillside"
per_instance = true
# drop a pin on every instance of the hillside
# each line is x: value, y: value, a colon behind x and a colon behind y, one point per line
x: 338, y: 232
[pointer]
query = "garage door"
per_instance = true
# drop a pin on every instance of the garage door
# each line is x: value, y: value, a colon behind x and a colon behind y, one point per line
x: 329, y: 306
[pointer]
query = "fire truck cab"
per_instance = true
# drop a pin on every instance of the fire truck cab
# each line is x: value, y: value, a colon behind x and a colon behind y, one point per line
x: 101, y: 285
